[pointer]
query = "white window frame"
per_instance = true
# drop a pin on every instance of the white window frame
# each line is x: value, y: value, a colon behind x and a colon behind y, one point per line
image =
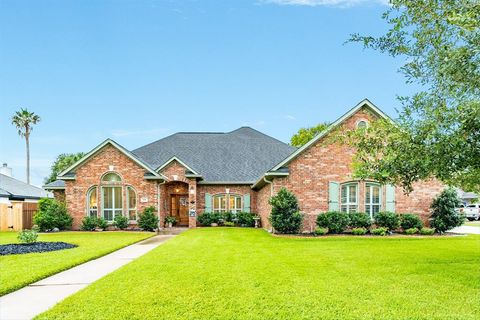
x: 89, y: 210
x: 345, y: 206
x: 128, y: 190
x: 113, y: 209
x: 369, y: 204
x: 219, y: 209
x: 235, y: 209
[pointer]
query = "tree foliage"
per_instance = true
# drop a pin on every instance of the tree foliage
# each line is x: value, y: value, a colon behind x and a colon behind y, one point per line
x: 306, y: 134
x: 444, y: 216
x: 62, y: 162
x: 438, y: 130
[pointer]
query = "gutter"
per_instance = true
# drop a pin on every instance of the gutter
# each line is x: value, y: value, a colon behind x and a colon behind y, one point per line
x: 271, y: 185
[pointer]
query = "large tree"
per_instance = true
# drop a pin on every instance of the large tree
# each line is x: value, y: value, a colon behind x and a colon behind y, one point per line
x: 24, y: 120
x: 306, y: 134
x: 437, y: 134
x: 62, y: 162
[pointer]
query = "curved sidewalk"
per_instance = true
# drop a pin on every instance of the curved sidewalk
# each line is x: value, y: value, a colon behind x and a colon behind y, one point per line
x: 40, y: 296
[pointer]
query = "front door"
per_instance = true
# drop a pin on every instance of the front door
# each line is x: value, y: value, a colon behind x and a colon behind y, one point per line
x: 179, y: 209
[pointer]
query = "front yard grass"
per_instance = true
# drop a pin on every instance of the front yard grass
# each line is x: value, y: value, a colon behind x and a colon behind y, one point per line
x: 17, y: 271
x: 228, y: 273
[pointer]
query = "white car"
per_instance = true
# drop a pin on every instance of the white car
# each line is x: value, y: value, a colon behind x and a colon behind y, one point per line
x: 472, y: 211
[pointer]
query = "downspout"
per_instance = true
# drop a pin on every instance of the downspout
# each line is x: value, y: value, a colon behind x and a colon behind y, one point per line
x: 158, y: 203
x: 271, y: 194
x: 271, y: 185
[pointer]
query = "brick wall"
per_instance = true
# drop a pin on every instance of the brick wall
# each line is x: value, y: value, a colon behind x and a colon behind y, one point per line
x: 90, y: 173
x: 326, y: 161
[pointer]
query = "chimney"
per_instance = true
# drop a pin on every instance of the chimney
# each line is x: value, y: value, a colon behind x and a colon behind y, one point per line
x: 5, y: 170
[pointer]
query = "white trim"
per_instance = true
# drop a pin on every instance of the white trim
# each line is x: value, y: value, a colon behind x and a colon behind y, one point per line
x: 52, y: 188
x: 98, y: 148
x: 67, y: 178
x: 347, y: 115
x: 269, y: 174
x: 174, y: 158
x: 225, y: 182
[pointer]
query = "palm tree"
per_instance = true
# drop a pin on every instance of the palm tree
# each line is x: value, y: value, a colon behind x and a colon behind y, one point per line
x: 24, y: 120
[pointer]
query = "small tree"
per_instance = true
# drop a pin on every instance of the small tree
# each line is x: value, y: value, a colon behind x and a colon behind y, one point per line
x: 285, y: 216
x: 121, y: 222
x: 148, y: 221
x: 444, y: 217
x: 52, y: 214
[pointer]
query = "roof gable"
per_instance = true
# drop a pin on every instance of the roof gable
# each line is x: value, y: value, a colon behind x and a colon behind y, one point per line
x: 68, y: 174
x: 363, y: 104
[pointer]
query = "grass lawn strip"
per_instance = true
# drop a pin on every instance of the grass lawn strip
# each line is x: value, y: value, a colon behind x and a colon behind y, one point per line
x: 20, y: 270
x: 222, y: 273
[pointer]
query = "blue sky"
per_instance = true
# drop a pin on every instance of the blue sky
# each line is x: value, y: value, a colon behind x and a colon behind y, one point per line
x: 137, y: 71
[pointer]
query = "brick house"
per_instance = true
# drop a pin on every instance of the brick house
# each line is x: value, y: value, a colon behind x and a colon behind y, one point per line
x: 186, y: 174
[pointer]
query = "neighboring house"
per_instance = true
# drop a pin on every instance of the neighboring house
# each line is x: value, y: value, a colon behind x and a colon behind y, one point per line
x: 18, y: 201
x: 186, y: 174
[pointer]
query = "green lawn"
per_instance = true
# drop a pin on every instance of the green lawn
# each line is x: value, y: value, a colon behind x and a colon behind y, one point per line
x: 220, y: 273
x: 17, y: 271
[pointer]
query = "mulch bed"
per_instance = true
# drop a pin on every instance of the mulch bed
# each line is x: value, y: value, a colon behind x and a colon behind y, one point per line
x: 8, y: 249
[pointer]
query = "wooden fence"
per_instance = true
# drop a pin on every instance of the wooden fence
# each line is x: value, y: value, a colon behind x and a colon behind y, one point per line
x: 17, y: 216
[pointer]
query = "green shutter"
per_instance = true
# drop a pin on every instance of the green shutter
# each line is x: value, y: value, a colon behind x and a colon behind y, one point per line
x: 246, y: 203
x: 208, y: 202
x: 333, y: 193
x: 390, y: 198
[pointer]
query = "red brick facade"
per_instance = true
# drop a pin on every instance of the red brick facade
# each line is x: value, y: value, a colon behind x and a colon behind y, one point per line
x: 328, y: 161
x: 309, y: 176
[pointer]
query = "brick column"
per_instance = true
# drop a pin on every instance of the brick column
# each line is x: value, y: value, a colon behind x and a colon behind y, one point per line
x: 192, y: 200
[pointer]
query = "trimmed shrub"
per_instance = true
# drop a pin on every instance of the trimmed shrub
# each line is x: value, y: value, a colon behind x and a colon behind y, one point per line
x: 27, y: 236
x: 409, y: 221
x: 388, y: 220
x: 170, y: 219
x: 444, y: 216
x: 379, y: 232
x: 359, y: 220
x: 411, y: 231
x: 359, y: 231
x: 205, y: 218
x: 121, y: 222
x: 102, y: 223
x: 321, y: 231
x: 245, y: 219
x: 229, y: 216
x: 229, y: 224
x: 148, y: 220
x: 427, y: 231
x: 89, y: 223
x: 52, y: 214
x: 285, y: 216
x: 335, y: 221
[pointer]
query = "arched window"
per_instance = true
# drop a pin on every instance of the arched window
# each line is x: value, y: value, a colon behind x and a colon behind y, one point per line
x: 235, y: 203
x: 112, y: 196
x: 362, y: 124
x: 92, y: 203
x: 349, y: 197
x: 111, y: 178
x: 131, y: 204
x: 372, y: 198
x: 220, y: 203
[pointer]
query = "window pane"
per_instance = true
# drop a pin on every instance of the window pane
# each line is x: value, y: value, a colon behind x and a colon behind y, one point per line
x: 107, y: 198
x: 118, y: 198
x: 353, y: 194
x: 375, y: 194
x: 132, y: 199
x: 111, y: 177
x: 344, y: 194
x: 239, y: 203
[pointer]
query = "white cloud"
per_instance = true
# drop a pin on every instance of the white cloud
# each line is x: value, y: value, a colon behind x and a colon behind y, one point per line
x: 289, y: 117
x: 127, y: 133
x: 326, y: 3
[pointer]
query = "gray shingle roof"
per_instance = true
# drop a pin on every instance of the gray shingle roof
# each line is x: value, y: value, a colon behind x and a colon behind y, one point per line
x: 57, y: 184
x: 19, y: 189
x: 242, y: 155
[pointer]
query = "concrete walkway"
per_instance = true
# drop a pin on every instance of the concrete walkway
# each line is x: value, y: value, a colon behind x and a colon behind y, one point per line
x: 465, y: 230
x: 38, y: 297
